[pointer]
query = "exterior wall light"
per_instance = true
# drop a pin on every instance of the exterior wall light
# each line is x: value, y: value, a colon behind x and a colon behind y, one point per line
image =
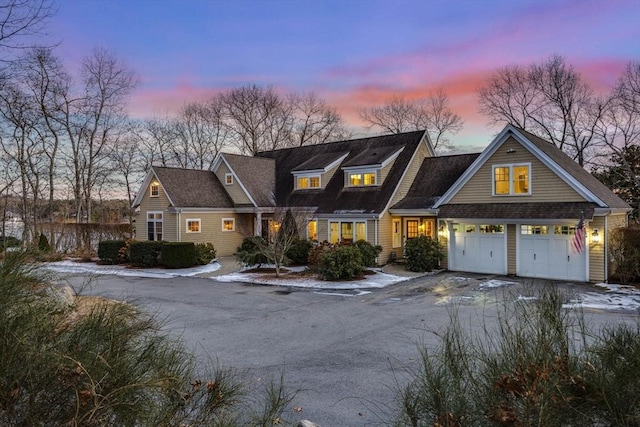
x: 595, y: 236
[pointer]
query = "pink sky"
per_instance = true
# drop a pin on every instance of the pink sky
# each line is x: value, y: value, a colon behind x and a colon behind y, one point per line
x: 352, y: 53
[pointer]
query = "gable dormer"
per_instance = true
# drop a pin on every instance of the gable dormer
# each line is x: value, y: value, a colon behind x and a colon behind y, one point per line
x: 370, y: 167
x: 317, y: 171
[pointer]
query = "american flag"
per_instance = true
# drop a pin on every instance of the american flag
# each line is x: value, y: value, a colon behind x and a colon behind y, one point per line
x: 578, y: 238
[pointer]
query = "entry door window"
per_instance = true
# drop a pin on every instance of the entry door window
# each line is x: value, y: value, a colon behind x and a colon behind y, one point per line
x: 412, y: 229
x: 397, y: 233
x: 154, y: 226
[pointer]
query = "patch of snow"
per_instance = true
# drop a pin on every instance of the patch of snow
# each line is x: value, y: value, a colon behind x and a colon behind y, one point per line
x: 607, y: 301
x: 70, y: 267
x: 338, y: 294
x: 495, y: 283
x: 377, y: 280
x: 454, y: 299
x: 524, y: 298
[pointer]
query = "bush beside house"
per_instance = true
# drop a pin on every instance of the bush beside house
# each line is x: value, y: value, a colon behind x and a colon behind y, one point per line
x: 144, y: 253
x: 109, y: 251
x: 178, y: 254
x: 422, y: 253
x: 205, y: 253
x: 298, y: 253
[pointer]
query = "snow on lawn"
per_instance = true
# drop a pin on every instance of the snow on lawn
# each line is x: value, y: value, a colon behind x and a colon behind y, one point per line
x: 377, y: 280
x: 72, y: 267
x: 615, y: 297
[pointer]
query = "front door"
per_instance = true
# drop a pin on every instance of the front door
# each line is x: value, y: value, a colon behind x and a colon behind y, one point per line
x: 412, y: 228
x: 397, y: 233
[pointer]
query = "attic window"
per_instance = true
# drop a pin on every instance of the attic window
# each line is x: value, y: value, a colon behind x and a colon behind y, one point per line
x: 228, y: 179
x: 360, y: 179
x: 154, y: 189
x: 310, y: 181
x: 512, y: 180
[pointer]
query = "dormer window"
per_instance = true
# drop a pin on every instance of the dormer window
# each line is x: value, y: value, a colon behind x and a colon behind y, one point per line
x: 154, y: 189
x: 228, y: 179
x: 360, y: 179
x: 311, y: 181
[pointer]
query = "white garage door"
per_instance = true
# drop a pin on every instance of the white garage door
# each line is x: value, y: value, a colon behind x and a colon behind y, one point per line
x: 545, y: 251
x: 478, y: 248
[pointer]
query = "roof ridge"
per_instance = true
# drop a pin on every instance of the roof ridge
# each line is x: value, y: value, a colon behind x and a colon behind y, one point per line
x: 343, y: 140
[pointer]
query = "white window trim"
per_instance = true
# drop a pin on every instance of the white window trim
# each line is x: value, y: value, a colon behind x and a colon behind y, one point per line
x: 511, y: 192
x: 362, y: 172
x: 353, y: 222
x: 233, y: 221
x: 309, y: 176
x: 310, y: 221
x: 154, y: 220
x: 226, y: 179
x: 154, y: 184
x: 186, y: 227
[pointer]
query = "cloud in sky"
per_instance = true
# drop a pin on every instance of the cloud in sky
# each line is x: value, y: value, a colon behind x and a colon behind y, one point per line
x: 354, y: 54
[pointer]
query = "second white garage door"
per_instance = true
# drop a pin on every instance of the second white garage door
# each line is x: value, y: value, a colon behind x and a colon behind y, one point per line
x: 545, y: 251
x: 478, y: 248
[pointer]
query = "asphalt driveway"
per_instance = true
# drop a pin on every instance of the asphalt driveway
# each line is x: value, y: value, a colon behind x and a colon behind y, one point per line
x: 345, y: 352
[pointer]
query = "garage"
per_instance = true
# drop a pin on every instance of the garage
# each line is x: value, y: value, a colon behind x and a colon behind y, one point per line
x: 479, y: 248
x: 544, y: 251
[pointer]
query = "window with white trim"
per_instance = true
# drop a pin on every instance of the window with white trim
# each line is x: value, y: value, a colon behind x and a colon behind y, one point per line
x: 347, y: 231
x: 312, y: 229
x: 512, y: 180
x: 311, y: 181
x: 154, y: 226
x: 228, y: 179
x: 154, y: 189
x: 361, y: 178
x: 193, y: 225
x: 228, y: 224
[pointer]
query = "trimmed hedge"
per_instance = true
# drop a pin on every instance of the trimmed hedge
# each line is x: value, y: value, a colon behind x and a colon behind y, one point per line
x: 178, y: 254
x: 145, y: 253
x: 109, y: 251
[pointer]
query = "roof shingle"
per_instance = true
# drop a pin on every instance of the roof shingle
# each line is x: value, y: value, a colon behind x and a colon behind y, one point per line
x: 191, y: 188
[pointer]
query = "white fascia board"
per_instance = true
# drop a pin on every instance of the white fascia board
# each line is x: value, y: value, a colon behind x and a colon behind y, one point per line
x: 414, y: 212
x: 516, y: 221
x: 200, y: 210
x: 238, y: 180
x: 471, y: 170
x: 353, y: 216
x: 563, y: 174
x: 145, y: 184
x: 310, y: 172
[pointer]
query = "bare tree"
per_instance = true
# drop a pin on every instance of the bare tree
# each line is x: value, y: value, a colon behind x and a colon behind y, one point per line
x: 127, y: 168
x: 433, y: 113
x: 549, y: 99
x: 202, y: 132
x: 157, y: 137
x: 92, y: 122
x: 257, y: 118
x: 20, y: 20
x: 618, y: 131
x: 314, y: 121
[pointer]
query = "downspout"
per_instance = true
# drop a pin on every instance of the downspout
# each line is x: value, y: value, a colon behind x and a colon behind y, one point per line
x: 606, y: 248
x: 375, y: 233
x: 179, y: 221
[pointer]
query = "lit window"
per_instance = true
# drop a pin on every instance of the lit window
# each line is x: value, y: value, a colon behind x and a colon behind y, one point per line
x: 343, y: 231
x: 492, y: 228
x: 228, y: 224
x: 501, y: 180
x: 303, y: 182
x: 228, y: 179
x: 193, y: 226
x: 361, y: 231
x: 362, y: 178
x: 533, y: 229
x: 370, y: 178
x: 312, y: 230
x: 511, y: 180
x: 155, y: 189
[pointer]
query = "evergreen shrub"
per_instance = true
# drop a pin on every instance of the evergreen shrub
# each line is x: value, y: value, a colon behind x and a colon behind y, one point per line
x: 369, y: 252
x: 205, y: 253
x: 109, y: 251
x: 248, y: 252
x: 298, y: 253
x: 178, y: 254
x: 145, y: 253
x: 43, y: 243
x: 422, y: 253
x: 341, y: 263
